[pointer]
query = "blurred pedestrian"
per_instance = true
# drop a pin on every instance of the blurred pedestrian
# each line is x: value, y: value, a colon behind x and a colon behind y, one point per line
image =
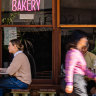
x: 75, y: 65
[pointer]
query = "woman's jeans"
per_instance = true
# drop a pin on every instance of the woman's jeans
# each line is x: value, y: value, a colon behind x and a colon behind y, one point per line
x: 11, y: 83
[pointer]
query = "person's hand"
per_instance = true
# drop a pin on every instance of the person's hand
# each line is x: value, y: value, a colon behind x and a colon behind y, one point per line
x: 93, y: 90
x: 69, y: 89
x: 3, y: 69
x: 95, y: 79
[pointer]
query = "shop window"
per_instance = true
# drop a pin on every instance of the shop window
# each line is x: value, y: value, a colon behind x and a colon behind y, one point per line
x: 65, y: 37
x: 27, y: 12
x: 77, y: 11
x: 41, y: 49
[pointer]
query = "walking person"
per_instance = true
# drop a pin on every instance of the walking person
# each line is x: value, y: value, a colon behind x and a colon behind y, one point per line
x: 75, y: 66
x: 19, y: 70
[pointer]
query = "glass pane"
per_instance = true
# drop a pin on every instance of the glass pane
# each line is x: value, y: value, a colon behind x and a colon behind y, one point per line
x: 27, y: 12
x: 65, y: 37
x: 77, y: 12
x: 41, y: 50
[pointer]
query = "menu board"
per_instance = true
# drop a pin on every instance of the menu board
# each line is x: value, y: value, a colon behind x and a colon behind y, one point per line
x: 9, y: 34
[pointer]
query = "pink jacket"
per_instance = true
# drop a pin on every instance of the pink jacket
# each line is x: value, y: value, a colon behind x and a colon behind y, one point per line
x: 75, y: 64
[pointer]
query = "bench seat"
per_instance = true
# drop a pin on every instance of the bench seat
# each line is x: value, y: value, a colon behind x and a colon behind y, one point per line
x: 43, y: 92
x: 24, y: 92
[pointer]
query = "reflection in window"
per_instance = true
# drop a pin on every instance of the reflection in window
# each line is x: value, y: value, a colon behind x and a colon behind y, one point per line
x: 77, y: 11
x: 65, y: 37
x: 41, y: 50
x: 27, y: 12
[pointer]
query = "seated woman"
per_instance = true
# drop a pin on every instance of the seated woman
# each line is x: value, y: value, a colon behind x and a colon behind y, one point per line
x: 19, y: 70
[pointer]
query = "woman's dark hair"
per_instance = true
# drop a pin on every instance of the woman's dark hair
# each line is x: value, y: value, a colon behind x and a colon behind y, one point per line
x: 74, y: 38
x: 18, y: 43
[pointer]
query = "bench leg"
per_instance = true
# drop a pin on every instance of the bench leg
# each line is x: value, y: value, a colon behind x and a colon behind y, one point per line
x: 51, y: 94
x: 15, y: 94
x: 42, y: 94
x: 25, y: 94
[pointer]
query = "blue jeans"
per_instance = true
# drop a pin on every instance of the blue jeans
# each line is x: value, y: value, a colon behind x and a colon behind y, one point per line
x: 11, y: 83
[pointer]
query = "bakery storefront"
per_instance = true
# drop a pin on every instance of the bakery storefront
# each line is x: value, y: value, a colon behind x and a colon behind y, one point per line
x: 47, y: 25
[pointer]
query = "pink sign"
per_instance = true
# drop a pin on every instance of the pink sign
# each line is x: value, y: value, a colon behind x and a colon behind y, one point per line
x: 25, y: 5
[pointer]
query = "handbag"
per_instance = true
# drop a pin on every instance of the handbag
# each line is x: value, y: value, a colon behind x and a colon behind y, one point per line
x: 63, y: 84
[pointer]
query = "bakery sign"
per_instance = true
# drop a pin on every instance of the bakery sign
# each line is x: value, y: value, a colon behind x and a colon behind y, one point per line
x: 25, y: 5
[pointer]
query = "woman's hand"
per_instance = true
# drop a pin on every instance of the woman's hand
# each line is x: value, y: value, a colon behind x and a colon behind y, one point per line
x: 69, y: 89
x: 3, y: 69
x: 95, y: 79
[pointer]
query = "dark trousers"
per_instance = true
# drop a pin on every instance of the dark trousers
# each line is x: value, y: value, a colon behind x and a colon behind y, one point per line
x: 11, y: 83
x: 79, y: 85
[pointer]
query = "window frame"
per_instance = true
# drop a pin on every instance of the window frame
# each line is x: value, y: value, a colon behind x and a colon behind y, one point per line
x: 55, y: 50
x: 69, y: 25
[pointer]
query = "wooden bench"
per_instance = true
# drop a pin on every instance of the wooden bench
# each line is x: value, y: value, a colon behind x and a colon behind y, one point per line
x: 17, y: 92
x: 43, y: 92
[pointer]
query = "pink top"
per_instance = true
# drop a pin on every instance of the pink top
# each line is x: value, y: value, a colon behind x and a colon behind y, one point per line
x: 75, y: 64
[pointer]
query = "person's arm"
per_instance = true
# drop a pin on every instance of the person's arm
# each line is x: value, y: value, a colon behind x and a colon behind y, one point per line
x: 70, y: 63
x: 71, y: 60
x: 90, y: 74
x: 2, y: 70
x: 15, y: 65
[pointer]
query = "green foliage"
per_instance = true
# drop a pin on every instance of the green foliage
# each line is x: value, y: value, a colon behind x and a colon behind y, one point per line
x: 94, y: 50
x: 9, y: 20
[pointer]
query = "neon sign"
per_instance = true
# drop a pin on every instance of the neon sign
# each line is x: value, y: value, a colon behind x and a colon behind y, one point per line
x: 25, y: 5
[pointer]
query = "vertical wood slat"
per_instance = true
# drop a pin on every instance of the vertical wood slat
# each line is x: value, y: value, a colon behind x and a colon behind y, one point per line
x: 56, y: 50
x: 56, y: 44
x: 0, y: 48
x: 59, y: 39
x: 58, y: 13
x: 53, y: 42
x: 0, y: 12
x: 59, y: 54
x: 54, y: 13
x: 0, y: 38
